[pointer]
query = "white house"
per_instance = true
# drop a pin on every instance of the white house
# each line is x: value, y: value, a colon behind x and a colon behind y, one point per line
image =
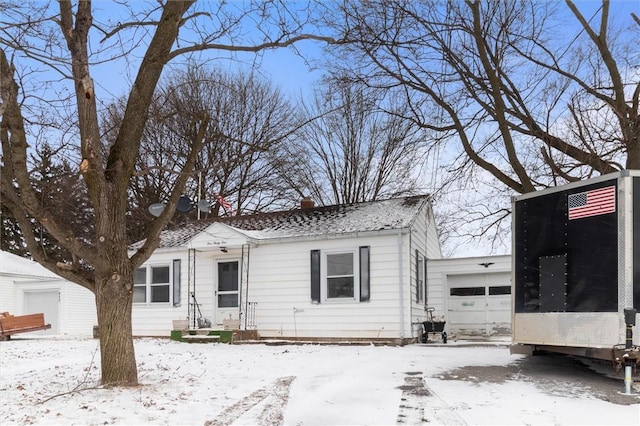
x: 354, y: 271
x: 474, y: 293
x: 26, y: 287
x: 361, y: 271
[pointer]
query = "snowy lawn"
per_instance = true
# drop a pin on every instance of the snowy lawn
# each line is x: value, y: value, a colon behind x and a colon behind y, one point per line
x: 217, y: 384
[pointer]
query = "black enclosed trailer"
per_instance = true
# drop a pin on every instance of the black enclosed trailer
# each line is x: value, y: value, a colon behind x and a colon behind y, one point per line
x: 575, y: 270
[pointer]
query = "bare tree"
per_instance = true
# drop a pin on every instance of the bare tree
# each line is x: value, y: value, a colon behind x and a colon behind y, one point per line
x: 502, y: 81
x: 251, y: 120
x: 355, y: 146
x: 71, y: 43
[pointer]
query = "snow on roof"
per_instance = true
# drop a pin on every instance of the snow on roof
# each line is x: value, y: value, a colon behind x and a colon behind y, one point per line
x: 396, y: 213
x: 10, y: 264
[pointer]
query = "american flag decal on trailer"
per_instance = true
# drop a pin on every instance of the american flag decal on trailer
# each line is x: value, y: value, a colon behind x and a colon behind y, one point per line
x: 592, y: 203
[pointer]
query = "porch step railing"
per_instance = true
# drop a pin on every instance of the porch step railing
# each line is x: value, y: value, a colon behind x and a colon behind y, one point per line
x: 250, y: 323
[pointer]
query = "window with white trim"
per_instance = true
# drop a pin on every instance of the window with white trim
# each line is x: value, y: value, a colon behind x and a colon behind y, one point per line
x: 152, y: 284
x: 340, y: 275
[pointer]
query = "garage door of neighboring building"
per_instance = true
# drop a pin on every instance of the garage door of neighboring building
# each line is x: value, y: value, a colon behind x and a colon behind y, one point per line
x: 479, y: 305
x: 46, y: 302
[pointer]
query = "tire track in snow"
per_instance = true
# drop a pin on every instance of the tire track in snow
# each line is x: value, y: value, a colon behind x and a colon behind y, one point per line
x: 419, y: 404
x: 272, y: 414
x: 273, y: 411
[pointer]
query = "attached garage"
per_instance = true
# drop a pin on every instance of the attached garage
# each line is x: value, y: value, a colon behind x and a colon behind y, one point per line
x: 473, y: 294
x: 479, y: 304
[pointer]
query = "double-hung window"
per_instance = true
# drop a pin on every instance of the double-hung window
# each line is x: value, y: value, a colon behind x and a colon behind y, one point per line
x: 340, y: 276
x: 152, y: 284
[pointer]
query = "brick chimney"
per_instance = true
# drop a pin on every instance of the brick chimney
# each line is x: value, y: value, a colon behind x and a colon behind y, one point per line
x: 307, y: 203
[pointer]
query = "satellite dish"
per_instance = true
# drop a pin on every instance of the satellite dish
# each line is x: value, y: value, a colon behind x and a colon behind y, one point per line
x: 185, y: 205
x: 156, y: 209
x: 204, y: 206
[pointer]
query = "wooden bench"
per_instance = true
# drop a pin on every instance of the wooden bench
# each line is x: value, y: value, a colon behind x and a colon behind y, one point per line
x: 11, y: 324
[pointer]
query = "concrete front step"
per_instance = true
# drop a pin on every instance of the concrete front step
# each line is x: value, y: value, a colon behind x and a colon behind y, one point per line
x: 201, y: 331
x: 202, y: 335
x: 213, y: 335
x: 200, y: 338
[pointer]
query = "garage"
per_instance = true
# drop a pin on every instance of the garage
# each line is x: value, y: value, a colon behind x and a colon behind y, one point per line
x: 479, y: 305
x: 28, y: 288
x: 47, y: 302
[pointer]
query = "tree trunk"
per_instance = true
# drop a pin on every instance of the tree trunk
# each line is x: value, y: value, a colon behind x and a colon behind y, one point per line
x: 633, y: 141
x: 113, y: 301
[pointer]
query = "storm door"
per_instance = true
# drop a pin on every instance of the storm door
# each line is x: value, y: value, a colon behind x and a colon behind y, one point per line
x: 227, y: 294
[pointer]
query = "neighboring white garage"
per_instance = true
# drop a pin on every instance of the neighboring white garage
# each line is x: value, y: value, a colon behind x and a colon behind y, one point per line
x: 473, y: 294
x: 27, y: 288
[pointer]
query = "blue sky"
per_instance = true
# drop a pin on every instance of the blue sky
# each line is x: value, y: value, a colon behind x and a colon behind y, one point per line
x: 283, y: 66
x: 290, y: 72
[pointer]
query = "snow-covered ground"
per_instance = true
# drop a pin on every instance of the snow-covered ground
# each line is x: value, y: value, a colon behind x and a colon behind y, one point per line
x: 55, y: 381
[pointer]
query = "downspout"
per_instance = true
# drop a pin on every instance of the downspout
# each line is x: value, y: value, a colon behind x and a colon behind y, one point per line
x: 401, y: 284
x: 191, y: 286
x: 426, y: 259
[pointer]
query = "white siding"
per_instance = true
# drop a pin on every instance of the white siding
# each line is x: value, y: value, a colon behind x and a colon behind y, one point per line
x: 279, y: 282
x: 441, y: 271
x: 279, y: 285
x: 7, y: 294
x: 156, y: 319
x: 76, y: 305
x: 206, y: 280
x: 424, y: 238
x: 78, y: 310
x: 75, y: 312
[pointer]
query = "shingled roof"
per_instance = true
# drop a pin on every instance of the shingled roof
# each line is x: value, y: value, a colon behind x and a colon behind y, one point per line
x: 395, y: 213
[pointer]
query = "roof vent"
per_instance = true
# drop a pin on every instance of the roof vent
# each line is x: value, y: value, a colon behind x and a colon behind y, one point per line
x: 307, y: 203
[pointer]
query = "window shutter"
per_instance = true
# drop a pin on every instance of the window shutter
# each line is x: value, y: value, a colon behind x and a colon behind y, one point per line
x: 176, y: 282
x: 315, y: 276
x: 365, y: 292
x: 417, y: 276
x: 426, y: 283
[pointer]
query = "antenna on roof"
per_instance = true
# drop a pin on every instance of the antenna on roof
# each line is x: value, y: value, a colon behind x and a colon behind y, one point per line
x: 185, y: 205
x: 204, y: 206
x: 156, y: 209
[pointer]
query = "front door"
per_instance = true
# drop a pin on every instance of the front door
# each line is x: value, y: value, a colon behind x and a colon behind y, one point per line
x: 227, y: 294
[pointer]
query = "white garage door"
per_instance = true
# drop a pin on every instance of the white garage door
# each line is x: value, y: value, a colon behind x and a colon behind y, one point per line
x: 45, y: 302
x: 479, y: 305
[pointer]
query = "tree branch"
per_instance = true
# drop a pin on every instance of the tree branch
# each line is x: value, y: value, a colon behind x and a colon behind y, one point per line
x: 120, y: 27
x: 253, y: 48
x: 153, y: 235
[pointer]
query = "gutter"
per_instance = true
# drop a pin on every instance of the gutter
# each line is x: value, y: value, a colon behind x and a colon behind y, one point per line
x: 31, y: 278
x: 381, y: 232
x: 257, y: 241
